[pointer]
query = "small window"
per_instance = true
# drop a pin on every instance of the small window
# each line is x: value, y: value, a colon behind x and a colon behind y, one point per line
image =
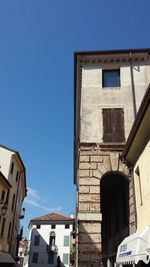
x: 65, y: 258
x: 17, y: 176
x: 3, y: 195
x: 111, y: 78
x: 12, y: 168
x: 67, y: 226
x: 52, y: 239
x: 35, y: 257
x: 38, y: 226
x: 51, y: 257
x: 36, y: 240
x: 13, y: 202
x: 3, y: 227
x: 53, y: 226
x: 66, y: 241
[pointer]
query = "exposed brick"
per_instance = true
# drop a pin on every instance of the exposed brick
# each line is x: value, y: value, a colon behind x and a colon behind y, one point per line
x: 84, y: 173
x: 84, y: 189
x: 89, y: 181
x: 89, y: 198
x: 84, y: 206
x: 88, y: 248
x: 95, y: 207
x: 95, y: 189
x: 86, y: 166
x: 96, y: 158
x: 84, y: 158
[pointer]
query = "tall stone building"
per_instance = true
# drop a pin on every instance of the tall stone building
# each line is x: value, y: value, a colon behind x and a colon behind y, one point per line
x: 108, y: 89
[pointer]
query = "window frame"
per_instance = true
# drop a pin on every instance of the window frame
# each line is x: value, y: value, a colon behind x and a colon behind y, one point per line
x: 36, y: 240
x: 66, y: 240
x: 35, y: 257
x: 117, y: 78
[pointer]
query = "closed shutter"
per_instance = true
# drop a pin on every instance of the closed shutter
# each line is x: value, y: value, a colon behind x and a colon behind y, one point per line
x: 107, y: 126
x: 113, y: 125
x: 118, y: 125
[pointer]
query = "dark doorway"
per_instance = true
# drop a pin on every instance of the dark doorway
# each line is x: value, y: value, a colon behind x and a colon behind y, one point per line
x: 115, y: 213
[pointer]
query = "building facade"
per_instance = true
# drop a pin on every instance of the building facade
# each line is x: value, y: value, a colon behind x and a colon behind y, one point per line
x: 50, y: 240
x: 108, y: 89
x: 136, y: 247
x: 13, y: 170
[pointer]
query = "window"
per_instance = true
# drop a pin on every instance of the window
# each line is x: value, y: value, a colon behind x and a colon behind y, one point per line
x: 51, y: 257
x: 12, y: 168
x: 65, y: 258
x: 3, y: 195
x: 113, y: 125
x: 111, y: 78
x: 13, y: 202
x: 36, y: 240
x: 35, y: 257
x: 38, y: 226
x: 53, y: 226
x: 17, y: 176
x: 66, y: 241
x: 67, y: 226
x: 52, y: 239
x: 3, y: 227
x: 7, y: 197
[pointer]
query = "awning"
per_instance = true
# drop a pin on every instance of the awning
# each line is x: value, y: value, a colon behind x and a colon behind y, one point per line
x: 6, y: 258
x: 134, y: 248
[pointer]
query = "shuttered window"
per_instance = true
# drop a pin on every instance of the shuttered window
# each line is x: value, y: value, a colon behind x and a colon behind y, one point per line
x: 113, y: 125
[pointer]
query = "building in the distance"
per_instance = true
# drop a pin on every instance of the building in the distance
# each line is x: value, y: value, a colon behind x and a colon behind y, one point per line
x: 13, y: 176
x: 50, y: 240
x: 108, y: 89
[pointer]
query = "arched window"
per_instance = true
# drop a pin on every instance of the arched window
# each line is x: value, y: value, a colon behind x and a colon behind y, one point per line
x: 52, y: 238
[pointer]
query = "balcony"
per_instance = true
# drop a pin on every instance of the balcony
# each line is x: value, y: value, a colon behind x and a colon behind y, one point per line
x: 51, y: 248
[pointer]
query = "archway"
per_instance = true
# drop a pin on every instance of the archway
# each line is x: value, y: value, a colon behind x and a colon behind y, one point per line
x: 115, y: 213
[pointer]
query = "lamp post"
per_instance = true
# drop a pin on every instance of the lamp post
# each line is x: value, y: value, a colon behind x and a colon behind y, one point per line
x: 3, y: 208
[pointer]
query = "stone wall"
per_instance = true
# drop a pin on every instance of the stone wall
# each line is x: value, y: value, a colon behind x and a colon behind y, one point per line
x: 94, y: 162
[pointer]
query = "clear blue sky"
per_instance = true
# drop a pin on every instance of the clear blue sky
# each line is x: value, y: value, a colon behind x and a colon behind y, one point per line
x: 37, y: 42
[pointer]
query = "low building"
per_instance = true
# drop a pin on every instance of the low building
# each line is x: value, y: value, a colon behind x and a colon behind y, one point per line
x: 136, y: 153
x: 12, y: 168
x: 49, y: 240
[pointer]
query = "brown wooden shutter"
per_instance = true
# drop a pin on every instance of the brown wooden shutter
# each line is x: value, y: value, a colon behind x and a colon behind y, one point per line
x: 107, y: 125
x: 118, y: 125
x: 113, y: 125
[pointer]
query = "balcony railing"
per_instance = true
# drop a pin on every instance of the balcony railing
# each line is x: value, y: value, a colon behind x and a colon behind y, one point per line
x: 51, y: 248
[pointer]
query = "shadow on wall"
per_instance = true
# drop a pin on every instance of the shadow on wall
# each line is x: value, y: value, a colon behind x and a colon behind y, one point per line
x: 43, y: 253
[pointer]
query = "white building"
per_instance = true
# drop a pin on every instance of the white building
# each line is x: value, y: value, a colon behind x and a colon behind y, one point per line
x: 13, y: 171
x: 49, y: 239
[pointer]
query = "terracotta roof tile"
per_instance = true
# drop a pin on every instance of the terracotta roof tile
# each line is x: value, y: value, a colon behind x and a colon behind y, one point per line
x: 53, y: 217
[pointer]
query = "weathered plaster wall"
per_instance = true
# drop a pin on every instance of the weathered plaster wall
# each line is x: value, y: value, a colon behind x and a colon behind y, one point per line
x: 94, y: 98
x: 143, y: 196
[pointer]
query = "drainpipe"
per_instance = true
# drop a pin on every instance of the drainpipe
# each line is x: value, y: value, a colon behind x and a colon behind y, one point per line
x: 133, y: 85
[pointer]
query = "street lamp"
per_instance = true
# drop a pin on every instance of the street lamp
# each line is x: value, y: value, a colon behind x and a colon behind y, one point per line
x: 4, y: 207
